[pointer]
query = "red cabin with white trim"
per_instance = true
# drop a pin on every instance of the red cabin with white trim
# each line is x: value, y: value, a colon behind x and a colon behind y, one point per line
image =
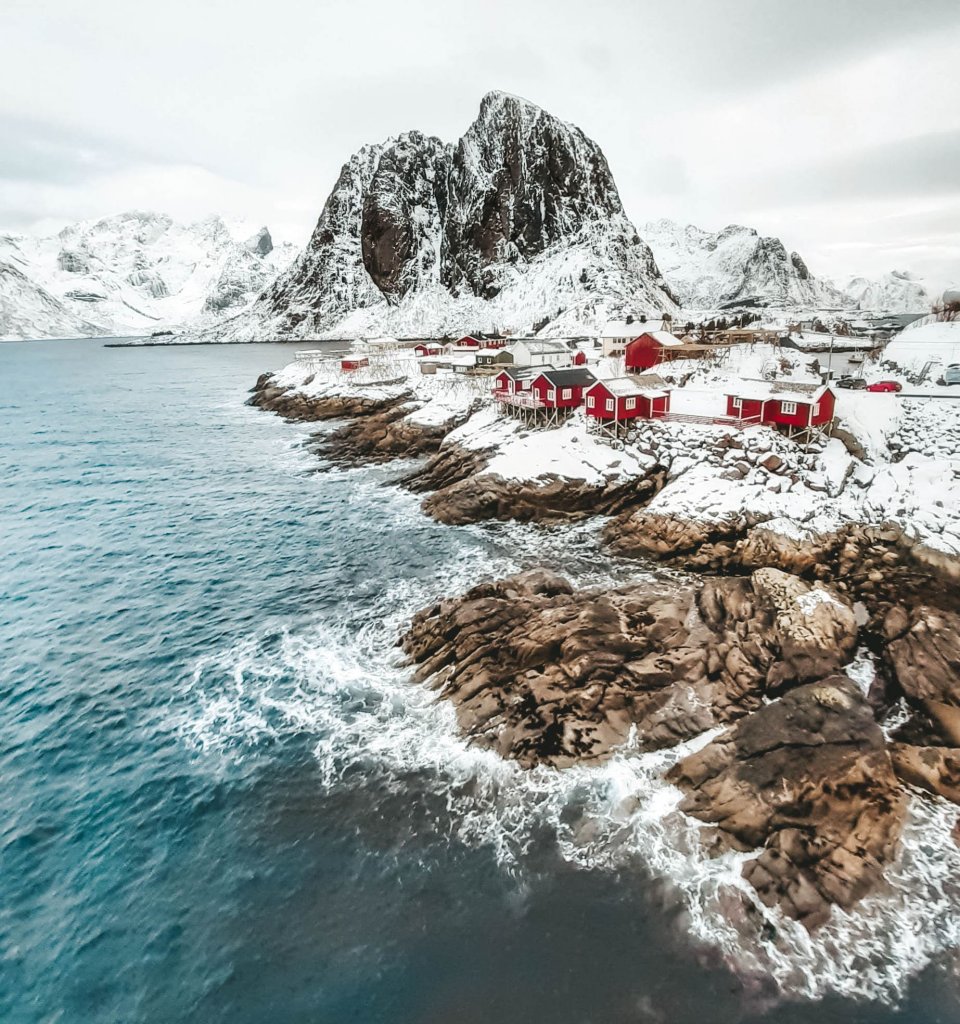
x: 627, y: 398
x: 650, y: 349
x: 561, y: 389
x: 782, y: 403
x: 513, y: 380
x: 354, y: 362
x: 428, y: 348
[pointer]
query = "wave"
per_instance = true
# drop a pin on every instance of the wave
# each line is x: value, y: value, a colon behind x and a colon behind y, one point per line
x: 340, y: 683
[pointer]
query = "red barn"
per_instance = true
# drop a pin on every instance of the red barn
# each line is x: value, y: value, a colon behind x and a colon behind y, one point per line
x: 651, y: 348
x: 561, y: 389
x: 580, y: 359
x: 626, y: 398
x: 428, y: 348
x: 782, y: 403
x: 354, y: 362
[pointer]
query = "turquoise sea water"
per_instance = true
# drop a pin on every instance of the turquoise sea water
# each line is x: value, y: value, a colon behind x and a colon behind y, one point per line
x: 221, y: 799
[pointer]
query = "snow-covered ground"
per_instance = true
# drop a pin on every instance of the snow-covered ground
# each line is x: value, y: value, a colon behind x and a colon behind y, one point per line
x: 909, y: 473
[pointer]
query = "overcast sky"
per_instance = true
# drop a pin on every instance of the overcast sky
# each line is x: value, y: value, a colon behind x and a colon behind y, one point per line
x: 834, y: 124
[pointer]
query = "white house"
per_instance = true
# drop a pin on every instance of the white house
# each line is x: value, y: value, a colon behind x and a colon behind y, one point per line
x: 537, y: 352
x: 616, y: 333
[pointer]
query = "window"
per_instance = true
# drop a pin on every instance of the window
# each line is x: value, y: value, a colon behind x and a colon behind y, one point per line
x: 631, y: 403
x: 551, y: 395
x: 738, y: 404
x: 609, y: 405
x: 788, y: 408
x: 567, y: 393
x: 590, y: 402
x: 816, y: 409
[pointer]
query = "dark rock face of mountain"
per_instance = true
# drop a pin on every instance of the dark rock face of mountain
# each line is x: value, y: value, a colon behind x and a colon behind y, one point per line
x: 519, y: 221
x: 404, y: 202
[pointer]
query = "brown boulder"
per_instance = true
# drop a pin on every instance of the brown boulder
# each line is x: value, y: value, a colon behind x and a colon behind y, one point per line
x: 926, y: 658
x: 807, y: 781
x: 935, y: 769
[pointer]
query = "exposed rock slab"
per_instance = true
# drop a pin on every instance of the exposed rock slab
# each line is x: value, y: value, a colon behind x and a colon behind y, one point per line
x: 935, y: 769
x: 545, y: 674
x: 807, y: 781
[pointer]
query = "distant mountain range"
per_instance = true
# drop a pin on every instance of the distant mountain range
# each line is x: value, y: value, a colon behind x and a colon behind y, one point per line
x: 518, y: 225
x: 133, y: 273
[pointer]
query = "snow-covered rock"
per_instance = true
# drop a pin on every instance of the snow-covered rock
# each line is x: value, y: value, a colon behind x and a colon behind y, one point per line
x: 519, y: 225
x: 707, y: 270
x: 134, y: 273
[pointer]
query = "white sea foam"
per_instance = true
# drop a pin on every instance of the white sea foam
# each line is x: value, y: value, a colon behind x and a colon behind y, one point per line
x: 342, y: 683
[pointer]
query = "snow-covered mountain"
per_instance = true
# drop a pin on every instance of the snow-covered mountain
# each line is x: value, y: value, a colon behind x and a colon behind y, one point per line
x: 518, y: 225
x: 134, y: 273
x: 896, y: 292
x: 29, y: 311
x: 707, y: 270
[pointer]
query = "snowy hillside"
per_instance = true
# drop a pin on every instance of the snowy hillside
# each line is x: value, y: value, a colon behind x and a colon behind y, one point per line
x: 28, y: 311
x: 519, y: 225
x: 707, y: 270
x: 134, y: 273
x: 896, y: 292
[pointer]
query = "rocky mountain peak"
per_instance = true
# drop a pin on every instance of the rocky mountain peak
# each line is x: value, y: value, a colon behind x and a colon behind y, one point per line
x: 518, y: 223
x: 260, y: 243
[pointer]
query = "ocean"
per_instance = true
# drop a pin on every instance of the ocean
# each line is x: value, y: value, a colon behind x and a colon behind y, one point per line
x: 223, y: 799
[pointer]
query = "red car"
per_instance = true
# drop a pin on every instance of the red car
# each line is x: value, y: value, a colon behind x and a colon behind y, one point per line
x: 885, y: 385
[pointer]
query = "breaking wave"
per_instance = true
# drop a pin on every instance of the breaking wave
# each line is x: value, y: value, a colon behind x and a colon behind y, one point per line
x: 340, y: 684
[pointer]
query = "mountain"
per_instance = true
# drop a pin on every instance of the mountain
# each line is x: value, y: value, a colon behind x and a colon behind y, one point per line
x: 518, y: 225
x: 896, y: 292
x: 135, y: 273
x: 708, y: 270
x: 29, y: 311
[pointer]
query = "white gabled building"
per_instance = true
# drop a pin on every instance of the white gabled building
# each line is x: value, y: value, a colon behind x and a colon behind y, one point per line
x: 537, y: 352
x: 617, y: 333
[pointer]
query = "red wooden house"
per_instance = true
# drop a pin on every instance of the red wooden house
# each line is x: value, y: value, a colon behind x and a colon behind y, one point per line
x: 580, y: 359
x: 626, y: 398
x: 650, y: 349
x: 428, y: 348
x: 561, y: 389
x: 782, y: 403
x: 514, y: 379
x: 354, y: 362
x: 467, y: 341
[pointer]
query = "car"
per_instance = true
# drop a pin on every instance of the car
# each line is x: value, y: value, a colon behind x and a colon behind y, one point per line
x: 855, y: 383
x: 885, y: 385
x: 952, y: 374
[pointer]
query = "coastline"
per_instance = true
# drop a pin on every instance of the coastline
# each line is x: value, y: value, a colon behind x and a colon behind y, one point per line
x: 822, y: 613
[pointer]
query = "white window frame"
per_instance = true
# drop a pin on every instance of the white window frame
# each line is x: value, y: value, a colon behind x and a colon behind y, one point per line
x: 816, y: 409
x: 552, y: 395
x: 590, y: 401
x: 738, y: 404
x: 631, y: 403
x: 566, y: 393
x: 788, y: 408
x: 611, y: 405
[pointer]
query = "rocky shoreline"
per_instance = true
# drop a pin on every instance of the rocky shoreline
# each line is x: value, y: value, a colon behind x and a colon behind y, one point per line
x: 805, y: 775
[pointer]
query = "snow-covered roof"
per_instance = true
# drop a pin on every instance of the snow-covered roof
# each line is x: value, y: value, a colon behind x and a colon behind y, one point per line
x: 622, y: 329
x: 766, y: 390
x: 539, y: 347
x: 467, y: 359
x: 523, y: 372
x: 649, y: 380
x: 622, y: 387
x: 664, y: 338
